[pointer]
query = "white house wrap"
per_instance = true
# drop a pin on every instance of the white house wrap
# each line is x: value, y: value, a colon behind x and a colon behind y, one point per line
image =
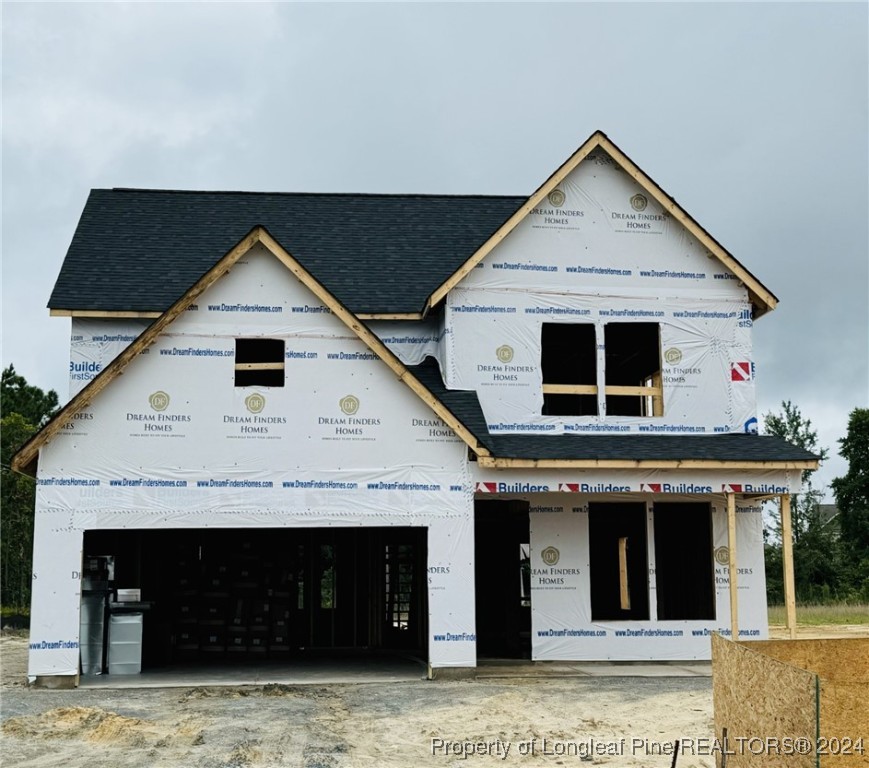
x: 284, y: 462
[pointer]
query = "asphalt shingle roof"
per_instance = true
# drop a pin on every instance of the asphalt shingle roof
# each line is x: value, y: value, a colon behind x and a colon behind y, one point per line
x: 140, y: 250
x: 721, y: 447
x: 465, y: 406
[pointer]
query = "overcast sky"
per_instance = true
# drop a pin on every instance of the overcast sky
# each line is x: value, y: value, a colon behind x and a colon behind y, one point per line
x: 753, y: 116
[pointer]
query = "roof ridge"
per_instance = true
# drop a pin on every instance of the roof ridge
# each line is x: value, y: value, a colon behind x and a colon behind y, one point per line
x: 308, y: 194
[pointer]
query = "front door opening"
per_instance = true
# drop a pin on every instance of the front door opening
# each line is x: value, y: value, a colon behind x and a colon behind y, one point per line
x: 503, y: 591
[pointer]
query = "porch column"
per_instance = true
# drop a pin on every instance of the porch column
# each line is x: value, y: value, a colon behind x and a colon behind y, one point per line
x: 731, y: 549
x: 788, y: 562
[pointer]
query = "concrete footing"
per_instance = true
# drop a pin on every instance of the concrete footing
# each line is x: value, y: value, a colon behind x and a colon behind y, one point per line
x: 452, y: 673
x: 56, y: 682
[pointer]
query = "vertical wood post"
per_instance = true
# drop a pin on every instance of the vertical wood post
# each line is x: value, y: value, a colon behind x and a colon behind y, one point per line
x: 787, y: 549
x: 624, y: 589
x: 731, y: 548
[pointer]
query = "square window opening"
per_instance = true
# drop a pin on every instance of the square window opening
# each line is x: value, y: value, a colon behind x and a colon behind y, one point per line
x: 568, y: 362
x: 259, y: 362
x: 633, y: 369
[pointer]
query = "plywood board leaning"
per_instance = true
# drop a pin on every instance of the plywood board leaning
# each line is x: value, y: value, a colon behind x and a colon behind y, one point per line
x: 842, y: 666
x: 797, y: 689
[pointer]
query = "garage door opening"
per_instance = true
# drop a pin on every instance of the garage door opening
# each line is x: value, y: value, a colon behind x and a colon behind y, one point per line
x: 242, y: 595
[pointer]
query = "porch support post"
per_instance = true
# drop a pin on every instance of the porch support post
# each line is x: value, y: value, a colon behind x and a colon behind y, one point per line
x: 731, y: 548
x: 787, y: 548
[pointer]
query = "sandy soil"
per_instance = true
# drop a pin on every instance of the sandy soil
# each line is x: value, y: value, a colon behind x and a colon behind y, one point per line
x: 350, y: 726
x: 344, y: 726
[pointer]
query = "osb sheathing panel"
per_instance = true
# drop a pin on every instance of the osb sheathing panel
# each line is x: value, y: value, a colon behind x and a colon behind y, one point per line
x: 843, y: 668
x: 844, y: 717
x: 844, y: 659
x: 756, y: 682
x: 758, y: 697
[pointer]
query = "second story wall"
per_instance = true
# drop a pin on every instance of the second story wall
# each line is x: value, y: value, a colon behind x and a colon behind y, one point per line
x: 95, y: 342
x: 600, y: 313
x: 179, y: 428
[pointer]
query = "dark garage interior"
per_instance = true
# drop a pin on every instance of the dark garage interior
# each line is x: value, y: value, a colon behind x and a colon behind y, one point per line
x: 233, y: 595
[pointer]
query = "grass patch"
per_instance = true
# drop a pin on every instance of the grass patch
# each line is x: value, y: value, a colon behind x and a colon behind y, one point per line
x: 816, y: 615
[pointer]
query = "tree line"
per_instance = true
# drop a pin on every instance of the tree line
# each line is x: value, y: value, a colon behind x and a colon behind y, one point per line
x: 23, y: 410
x: 831, y: 555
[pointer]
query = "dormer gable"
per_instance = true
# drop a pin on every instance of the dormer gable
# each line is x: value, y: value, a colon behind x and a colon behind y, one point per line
x: 600, y: 184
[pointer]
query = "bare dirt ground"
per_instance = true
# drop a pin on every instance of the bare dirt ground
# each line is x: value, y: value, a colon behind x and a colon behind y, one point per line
x: 554, y: 721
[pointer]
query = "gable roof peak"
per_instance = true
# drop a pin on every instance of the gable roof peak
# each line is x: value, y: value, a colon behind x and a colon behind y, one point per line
x: 25, y: 459
x: 762, y: 299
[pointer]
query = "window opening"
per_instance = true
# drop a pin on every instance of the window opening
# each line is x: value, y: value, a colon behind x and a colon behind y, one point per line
x: 525, y: 575
x: 300, y: 577
x: 398, y: 584
x: 569, y: 367
x: 327, y: 577
x: 633, y: 369
x: 684, y: 567
x: 259, y: 362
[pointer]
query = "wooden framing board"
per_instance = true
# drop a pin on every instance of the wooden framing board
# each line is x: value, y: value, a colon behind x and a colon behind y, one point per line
x: 788, y: 565
x: 103, y: 313
x: 610, y: 389
x: 155, y: 314
x: 259, y: 366
x: 731, y: 565
x: 491, y: 462
x: 658, y: 399
x: 569, y: 389
x: 762, y: 298
x: 624, y: 587
x: 617, y: 389
x: 26, y: 457
x: 389, y: 315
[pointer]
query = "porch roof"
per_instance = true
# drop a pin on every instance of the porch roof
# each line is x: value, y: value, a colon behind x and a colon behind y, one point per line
x: 730, y: 447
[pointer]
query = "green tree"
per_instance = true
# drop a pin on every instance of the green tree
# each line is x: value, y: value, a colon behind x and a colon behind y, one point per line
x: 852, y: 500
x: 790, y: 425
x: 818, y: 562
x: 24, y: 408
x: 17, y: 396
